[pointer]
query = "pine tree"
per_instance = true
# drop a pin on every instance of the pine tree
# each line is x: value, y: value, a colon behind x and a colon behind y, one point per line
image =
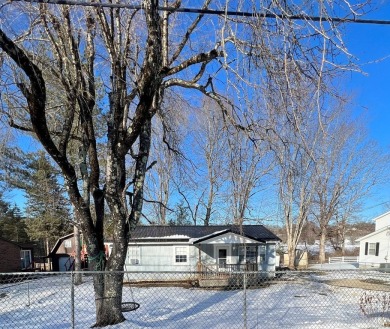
x: 47, y: 209
x: 181, y: 216
x: 12, y: 225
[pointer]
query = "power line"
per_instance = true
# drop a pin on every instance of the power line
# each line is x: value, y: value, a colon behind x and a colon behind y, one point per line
x: 215, y: 12
x: 377, y: 205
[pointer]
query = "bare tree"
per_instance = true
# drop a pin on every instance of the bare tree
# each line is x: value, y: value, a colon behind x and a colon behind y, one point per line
x: 248, y: 162
x: 293, y: 137
x: 89, y: 48
x: 166, y: 156
x: 296, y: 190
x: 159, y: 186
x: 326, y: 166
x: 210, y: 138
x: 348, y: 166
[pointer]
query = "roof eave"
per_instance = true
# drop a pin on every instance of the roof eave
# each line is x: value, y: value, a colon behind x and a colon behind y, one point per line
x: 210, y: 236
x: 374, y: 233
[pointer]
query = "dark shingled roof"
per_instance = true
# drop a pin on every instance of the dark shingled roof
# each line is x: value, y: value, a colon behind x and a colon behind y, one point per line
x: 200, y: 233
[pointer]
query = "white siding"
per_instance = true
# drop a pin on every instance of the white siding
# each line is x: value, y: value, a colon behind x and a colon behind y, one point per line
x: 382, y: 221
x: 383, y: 238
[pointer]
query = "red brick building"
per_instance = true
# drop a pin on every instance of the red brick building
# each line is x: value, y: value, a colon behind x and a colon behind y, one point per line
x: 14, y: 257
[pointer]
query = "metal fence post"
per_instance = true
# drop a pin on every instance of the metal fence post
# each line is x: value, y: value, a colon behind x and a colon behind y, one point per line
x: 72, y: 300
x: 28, y: 293
x: 245, y: 302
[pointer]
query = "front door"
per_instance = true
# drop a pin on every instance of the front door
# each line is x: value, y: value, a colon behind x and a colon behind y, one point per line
x: 222, y: 258
x: 25, y: 258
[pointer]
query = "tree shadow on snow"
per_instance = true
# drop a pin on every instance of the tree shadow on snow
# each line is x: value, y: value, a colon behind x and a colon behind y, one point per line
x: 202, y: 305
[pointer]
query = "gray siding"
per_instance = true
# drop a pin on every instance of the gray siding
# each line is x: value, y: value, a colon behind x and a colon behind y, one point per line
x: 270, y: 262
x: 162, y: 258
x: 207, y: 254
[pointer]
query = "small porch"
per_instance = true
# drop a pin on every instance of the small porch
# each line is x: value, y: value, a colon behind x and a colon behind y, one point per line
x: 231, y: 257
x: 226, y: 276
x: 226, y: 259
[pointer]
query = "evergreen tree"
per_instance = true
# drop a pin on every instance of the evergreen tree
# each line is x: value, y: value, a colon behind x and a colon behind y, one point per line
x: 47, y: 209
x: 181, y: 216
x: 12, y: 224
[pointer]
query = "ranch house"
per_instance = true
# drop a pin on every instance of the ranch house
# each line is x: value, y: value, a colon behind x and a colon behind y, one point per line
x: 202, y: 249
x: 207, y: 249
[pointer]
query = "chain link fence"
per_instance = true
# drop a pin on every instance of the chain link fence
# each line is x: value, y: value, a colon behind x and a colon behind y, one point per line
x: 290, y: 299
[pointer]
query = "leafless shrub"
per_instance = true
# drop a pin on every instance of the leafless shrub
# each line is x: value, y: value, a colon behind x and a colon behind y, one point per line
x: 376, y: 304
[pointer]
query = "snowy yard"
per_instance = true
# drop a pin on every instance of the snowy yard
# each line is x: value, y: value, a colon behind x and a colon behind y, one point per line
x: 295, y: 301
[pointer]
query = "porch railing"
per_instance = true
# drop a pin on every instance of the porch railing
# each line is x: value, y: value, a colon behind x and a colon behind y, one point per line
x: 227, y: 268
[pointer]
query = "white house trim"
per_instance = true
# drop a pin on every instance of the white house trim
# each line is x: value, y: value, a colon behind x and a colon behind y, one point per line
x: 228, y: 252
x: 382, y: 221
x: 187, y: 254
x: 380, y: 239
x: 373, y: 234
x: 152, y: 243
x: 228, y: 238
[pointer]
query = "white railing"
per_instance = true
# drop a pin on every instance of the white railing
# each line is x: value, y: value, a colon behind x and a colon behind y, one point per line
x: 344, y: 259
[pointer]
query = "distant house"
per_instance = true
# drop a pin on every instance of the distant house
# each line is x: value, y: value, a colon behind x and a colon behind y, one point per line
x: 375, y: 247
x: 63, y: 254
x: 15, y: 257
x: 201, y: 248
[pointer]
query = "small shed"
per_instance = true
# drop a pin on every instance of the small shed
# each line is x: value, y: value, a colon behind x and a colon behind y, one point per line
x: 301, y: 259
x: 63, y: 254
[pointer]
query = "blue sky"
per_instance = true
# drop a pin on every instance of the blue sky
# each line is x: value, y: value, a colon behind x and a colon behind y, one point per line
x: 371, y: 45
x: 371, y: 92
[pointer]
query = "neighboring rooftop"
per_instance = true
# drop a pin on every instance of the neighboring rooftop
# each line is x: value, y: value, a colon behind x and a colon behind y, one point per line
x: 199, y: 233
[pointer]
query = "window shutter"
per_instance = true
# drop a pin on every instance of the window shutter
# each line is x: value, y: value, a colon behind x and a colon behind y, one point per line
x: 366, y: 249
x: 377, y: 249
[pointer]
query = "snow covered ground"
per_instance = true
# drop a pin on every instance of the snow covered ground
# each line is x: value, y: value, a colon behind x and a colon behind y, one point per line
x: 334, y: 266
x: 295, y: 301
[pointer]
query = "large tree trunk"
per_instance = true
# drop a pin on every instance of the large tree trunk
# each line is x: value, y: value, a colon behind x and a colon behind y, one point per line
x: 77, y: 257
x: 108, y: 298
x: 108, y: 284
x: 321, y: 255
x: 291, y: 257
x: 210, y: 201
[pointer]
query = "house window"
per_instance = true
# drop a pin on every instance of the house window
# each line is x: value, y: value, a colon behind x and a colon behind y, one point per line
x: 68, y: 243
x: 133, y: 256
x: 247, y: 254
x: 181, y: 254
x: 372, y: 249
x: 262, y: 253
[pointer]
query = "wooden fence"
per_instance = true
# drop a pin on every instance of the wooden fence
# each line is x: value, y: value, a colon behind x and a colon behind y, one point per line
x: 344, y: 259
